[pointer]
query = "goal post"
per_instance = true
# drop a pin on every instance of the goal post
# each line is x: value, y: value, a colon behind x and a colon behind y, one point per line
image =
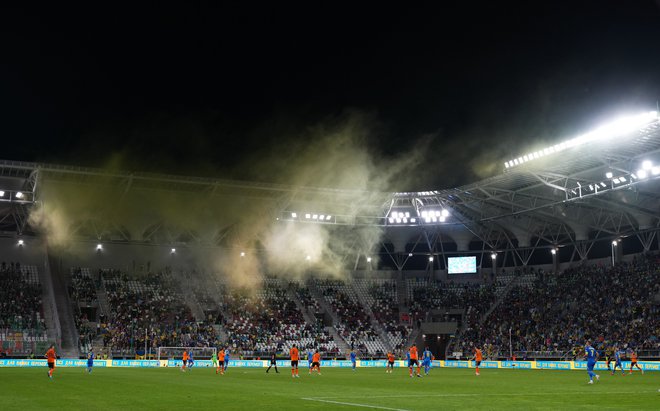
x: 175, y: 353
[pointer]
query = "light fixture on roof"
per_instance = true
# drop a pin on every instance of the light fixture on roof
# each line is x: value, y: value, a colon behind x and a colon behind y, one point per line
x: 553, y: 251
x: 647, y: 165
x: 368, y: 259
x: 99, y: 247
x: 308, y: 216
x: 2, y: 193
x: 642, y: 174
x: 294, y: 215
x: 327, y: 218
x: 621, y: 126
x: 431, y: 258
x: 173, y: 251
x: 608, y: 174
x: 19, y: 194
x: 20, y: 243
x: 655, y: 170
x: 493, y: 256
x: 615, y: 243
x: 242, y: 253
x: 309, y: 257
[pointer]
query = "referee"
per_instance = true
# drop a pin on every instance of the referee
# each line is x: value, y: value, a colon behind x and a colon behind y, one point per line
x: 273, y: 363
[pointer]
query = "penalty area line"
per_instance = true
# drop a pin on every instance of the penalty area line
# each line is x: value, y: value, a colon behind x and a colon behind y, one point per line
x: 354, y: 404
x: 513, y: 394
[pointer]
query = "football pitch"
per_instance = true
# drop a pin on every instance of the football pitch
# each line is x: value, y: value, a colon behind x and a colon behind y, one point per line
x: 336, y: 389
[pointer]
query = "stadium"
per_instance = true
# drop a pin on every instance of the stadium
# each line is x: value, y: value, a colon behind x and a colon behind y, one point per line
x: 507, y: 264
x: 393, y: 206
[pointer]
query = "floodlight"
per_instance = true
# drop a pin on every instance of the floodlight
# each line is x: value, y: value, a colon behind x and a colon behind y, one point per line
x: 642, y: 174
x: 308, y: 216
x: 623, y: 179
x: 242, y: 253
x: 655, y: 170
x: 173, y: 250
x: 99, y: 247
x: 437, y: 213
x: 647, y: 165
x: 327, y: 218
x: 405, y: 220
x: 445, y: 213
x: 398, y: 220
x: 294, y: 215
x: 413, y: 220
x: 19, y: 195
x: 20, y: 242
x: 493, y: 256
x: 431, y: 258
x: 407, y: 214
x: 2, y: 193
x: 425, y: 213
x: 614, y: 243
x: 410, y: 254
x: 308, y: 258
x: 368, y: 259
x: 603, y: 184
x: 591, y: 187
x: 322, y: 217
x: 427, y: 219
x: 553, y: 251
x: 434, y: 219
x: 616, y: 181
x: 391, y: 220
x: 394, y: 214
x: 608, y: 174
x: 315, y: 216
x: 442, y: 219
x: 506, y: 164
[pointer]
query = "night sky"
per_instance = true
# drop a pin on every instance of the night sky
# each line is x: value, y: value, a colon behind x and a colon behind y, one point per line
x: 199, y: 89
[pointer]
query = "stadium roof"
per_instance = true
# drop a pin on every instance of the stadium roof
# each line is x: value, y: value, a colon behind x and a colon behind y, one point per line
x: 573, y: 194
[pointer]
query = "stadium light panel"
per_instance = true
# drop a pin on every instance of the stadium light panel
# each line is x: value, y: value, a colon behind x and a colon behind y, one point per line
x: 616, y: 128
x: 410, y: 254
x: 442, y: 219
x: 647, y: 165
x: 616, y: 180
x: 322, y: 217
x: 315, y: 216
x: 368, y: 259
x: 431, y: 259
x: 2, y: 193
x: 655, y: 170
x: 99, y: 247
x: 327, y: 218
x: 19, y: 195
x: 615, y: 243
x: 294, y: 215
x: 308, y: 216
x: 405, y: 220
x: 603, y: 184
x: 242, y: 253
x: 623, y: 179
x: 642, y: 174
x: 413, y: 220
x: 493, y: 256
x: 173, y: 250
x: 391, y: 220
x: 553, y: 251
x: 308, y: 258
x: 20, y: 242
x: 445, y: 213
x: 608, y: 174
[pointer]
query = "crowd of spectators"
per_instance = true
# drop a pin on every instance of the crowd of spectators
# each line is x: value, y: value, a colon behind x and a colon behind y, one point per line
x: 386, y: 310
x: 20, y: 301
x: 609, y: 305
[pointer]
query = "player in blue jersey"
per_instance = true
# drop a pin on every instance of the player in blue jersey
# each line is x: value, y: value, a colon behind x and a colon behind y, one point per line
x: 353, y: 359
x: 310, y: 357
x: 224, y: 367
x: 191, y: 360
x: 90, y: 361
x: 427, y: 357
x: 592, y: 357
x: 617, y: 360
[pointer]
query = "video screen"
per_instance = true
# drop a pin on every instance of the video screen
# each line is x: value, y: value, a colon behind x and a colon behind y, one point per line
x: 462, y: 265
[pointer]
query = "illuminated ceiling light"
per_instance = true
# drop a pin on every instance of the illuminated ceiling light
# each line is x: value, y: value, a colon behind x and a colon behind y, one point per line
x: 308, y: 258
x: 434, y: 219
x: 442, y: 219
x: 506, y: 164
x: 425, y: 213
x: 591, y: 187
x: 407, y: 214
x: 553, y: 251
x: 413, y: 220
x: 308, y: 216
x: 615, y: 243
x: 427, y: 219
x: 655, y: 170
x: 315, y: 216
x: 431, y: 258
x: 21, y: 242
x: 294, y: 215
x: 642, y: 174
x: 623, y: 179
x: 99, y: 247
x: 173, y: 250
x: 493, y: 256
x: 2, y: 193
x: 409, y: 254
x: 608, y: 174
x: 322, y: 217
x: 327, y: 218
x: 616, y: 181
x: 603, y: 184
x: 405, y: 220
x: 368, y: 259
x: 438, y: 213
x: 398, y: 220
x: 19, y: 195
x: 391, y: 220
x: 646, y: 165
x: 445, y: 213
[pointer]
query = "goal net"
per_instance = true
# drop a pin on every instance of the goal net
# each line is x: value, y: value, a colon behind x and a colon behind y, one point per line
x: 176, y: 353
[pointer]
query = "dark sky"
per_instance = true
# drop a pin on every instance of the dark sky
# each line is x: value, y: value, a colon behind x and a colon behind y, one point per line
x: 194, y: 89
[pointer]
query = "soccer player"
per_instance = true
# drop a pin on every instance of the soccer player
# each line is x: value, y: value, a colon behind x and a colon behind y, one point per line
x: 293, y: 353
x: 478, y: 356
x: 226, y: 362
x: 414, y: 360
x: 310, y: 357
x: 427, y: 357
x: 51, y: 357
x: 633, y: 362
x: 592, y: 358
x: 273, y: 363
x: 390, y: 363
x: 221, y: 361
x: 191, y: 360
x: 214, y: 360
x: 353, y: 359
x: 90, y: 361
x: 608, y: 357
x: 184, y: 360
x: 617, y: 361
x: 316, y: 362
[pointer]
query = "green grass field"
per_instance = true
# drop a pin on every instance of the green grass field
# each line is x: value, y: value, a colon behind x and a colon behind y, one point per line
x: 367, y: 388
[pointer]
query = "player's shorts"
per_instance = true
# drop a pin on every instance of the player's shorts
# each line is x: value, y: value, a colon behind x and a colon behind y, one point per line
x: 413, y: 362
x: 51, y: 365
x: 294, y: 363
x: 591, y: 365
x: 390, y: 363
x: 90, y: 364
x: 477, y: 363
x: 225, y: 363
x: 316, y: 364
x: 273, y: 362
x: 215, y: 363
x: 633, y: 363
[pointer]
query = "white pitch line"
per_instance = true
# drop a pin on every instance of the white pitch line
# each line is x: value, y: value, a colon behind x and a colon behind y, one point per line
x: 353, y: 404
x: 513, y: 394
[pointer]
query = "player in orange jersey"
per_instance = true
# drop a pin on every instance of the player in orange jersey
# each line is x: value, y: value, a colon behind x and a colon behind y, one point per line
x: 477, y: 359
x: 51, y: 357
x: 390, y: 363
x: 414, y: 360
x: 221, y: 362
x: 184, y: 360
x: 316, y: 362
x: 633, y: 362
x: 293, y: 353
